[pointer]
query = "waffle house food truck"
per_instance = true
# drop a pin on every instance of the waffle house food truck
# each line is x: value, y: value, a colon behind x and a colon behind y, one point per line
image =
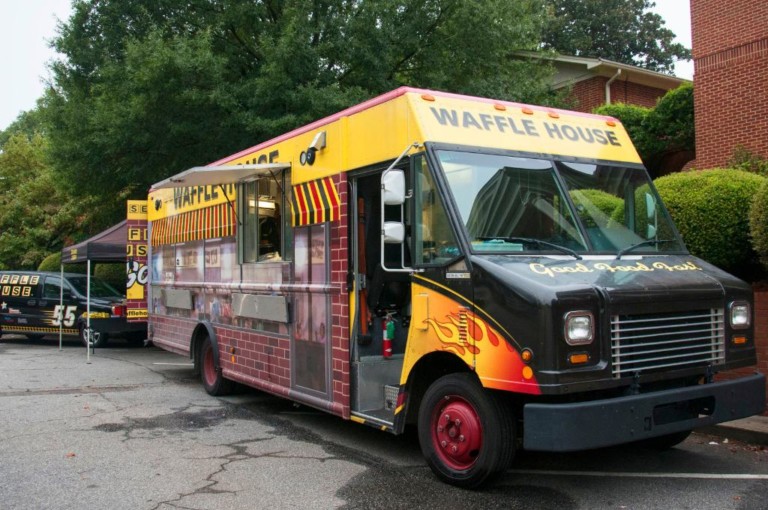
x: 503, y: 276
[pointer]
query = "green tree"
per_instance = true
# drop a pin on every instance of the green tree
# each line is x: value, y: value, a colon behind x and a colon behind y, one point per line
x: 35, y: 212
x: 619, y: 30
x: 149, y: 88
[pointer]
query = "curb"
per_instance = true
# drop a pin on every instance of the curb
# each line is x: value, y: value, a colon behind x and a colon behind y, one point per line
x: 752, y: 430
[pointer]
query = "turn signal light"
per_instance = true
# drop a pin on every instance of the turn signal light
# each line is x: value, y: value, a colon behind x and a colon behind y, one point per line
x: 578, y: 359
x: 739, y: 340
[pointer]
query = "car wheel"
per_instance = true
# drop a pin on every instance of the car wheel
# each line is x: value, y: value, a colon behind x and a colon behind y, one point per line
x: 98, y: 338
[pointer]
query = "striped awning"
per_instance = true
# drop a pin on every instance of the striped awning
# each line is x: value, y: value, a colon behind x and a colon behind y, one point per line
x: 315, y: 202
x: 207, y: 223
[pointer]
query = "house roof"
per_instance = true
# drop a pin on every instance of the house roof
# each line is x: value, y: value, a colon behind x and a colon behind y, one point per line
x: 570, y: 70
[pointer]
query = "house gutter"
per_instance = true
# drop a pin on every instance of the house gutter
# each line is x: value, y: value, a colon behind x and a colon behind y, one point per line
x: 608, y: 86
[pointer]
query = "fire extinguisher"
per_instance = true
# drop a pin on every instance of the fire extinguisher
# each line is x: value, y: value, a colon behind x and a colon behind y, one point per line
x: 387, y: 335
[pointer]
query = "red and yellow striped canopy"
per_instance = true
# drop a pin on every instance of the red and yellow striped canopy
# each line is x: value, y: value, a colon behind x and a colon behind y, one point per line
x: 207, y: 223
x: 315, y: 202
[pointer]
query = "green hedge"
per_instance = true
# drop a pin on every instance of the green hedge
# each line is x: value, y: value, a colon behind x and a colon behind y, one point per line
x: 711, y: 210
x: 53, y: 263
x: 758, y: 223
x: 114, y: 274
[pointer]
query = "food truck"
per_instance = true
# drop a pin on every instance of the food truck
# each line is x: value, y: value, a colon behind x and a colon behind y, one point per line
x: 503, y: 276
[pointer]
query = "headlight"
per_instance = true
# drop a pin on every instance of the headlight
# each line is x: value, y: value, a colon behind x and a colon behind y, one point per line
x: 740, y: 314
x: 579, y: 328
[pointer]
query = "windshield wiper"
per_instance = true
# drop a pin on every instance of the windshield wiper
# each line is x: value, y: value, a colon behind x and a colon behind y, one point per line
x: 531, y: 240
x: 642, y: 243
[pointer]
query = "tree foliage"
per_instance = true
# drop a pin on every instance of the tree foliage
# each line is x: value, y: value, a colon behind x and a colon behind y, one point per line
x: 619, y: 30
x: 34, y: 211
x: 666, y: 129
x: 151, y: 87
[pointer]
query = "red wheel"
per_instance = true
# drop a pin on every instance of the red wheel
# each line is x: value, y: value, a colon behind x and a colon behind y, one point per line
x: 213, y: 382
x: 457, y: 434
x: 465, y: 432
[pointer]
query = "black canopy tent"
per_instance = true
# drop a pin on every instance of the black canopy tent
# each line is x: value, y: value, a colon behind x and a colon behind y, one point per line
x: 106, y: 246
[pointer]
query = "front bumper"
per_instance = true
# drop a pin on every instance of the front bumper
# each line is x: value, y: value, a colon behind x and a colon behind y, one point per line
x: 600, y: 423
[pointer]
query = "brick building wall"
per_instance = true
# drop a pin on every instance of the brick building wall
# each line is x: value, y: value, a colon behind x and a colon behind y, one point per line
x: 730, y: 53
x: 589, y: 94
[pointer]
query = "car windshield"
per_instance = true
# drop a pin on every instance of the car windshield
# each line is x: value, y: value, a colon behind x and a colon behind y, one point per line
x: 518, y: 204
x: 99, y: 288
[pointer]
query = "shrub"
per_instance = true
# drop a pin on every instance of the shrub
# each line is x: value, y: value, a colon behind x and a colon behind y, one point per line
x: 114, y: 274
x: 744, y: 159
x: 711, y: 210
x: 53, y: 263
x: 631, y: 116
x: 758, y: 223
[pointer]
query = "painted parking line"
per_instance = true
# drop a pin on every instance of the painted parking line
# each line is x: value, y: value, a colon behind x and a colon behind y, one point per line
x: 703, y: 476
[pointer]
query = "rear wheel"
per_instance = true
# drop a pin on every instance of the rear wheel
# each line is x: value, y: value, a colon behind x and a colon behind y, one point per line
x: 466, y: 434
x: 98, y: 338
x: 213, y: 382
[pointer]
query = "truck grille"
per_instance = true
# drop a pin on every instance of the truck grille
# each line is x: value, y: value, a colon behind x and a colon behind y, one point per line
x: 649, y: 342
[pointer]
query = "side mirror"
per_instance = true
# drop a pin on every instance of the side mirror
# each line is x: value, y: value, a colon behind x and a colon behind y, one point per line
x: 650, y: 213
x: 394, y: 232
x: 650, y: 207
x: 393, y: 187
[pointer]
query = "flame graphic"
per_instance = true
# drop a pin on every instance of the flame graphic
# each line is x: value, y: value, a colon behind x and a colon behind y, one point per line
x: 458, y: 327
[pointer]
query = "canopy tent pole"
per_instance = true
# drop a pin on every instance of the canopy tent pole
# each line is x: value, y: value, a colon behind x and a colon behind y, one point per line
x: 60, y: 317
x: 89, y: 342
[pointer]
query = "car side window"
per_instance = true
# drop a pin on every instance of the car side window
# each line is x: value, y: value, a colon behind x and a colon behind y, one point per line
x: 52, y: 288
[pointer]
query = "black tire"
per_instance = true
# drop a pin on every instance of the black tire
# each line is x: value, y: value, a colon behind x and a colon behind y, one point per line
x: 466, y: 433
x: 98, y: 338
x: 136, y: 339
x: 210, y: 373
x: 666, y: 442
x: 34, y: 336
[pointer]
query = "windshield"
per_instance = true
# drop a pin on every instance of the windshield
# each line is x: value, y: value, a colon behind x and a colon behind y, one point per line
x: 518, y: 204
x: 99, y: 288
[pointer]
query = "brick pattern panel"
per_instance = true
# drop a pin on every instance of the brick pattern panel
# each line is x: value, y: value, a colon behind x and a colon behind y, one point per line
x: 340, y: 301
x: 265, y: 358
x: 172, y: 333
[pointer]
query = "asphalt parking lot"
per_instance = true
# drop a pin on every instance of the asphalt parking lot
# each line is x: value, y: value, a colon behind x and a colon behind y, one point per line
x: 130, y: 429
x: 133, y: 429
